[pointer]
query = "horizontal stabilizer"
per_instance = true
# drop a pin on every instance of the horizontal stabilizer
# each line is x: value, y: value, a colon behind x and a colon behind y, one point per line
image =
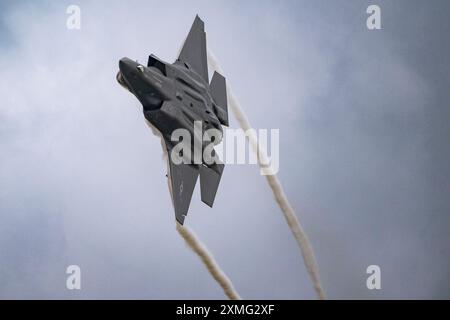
x: 218, y: 89
x: 209, y: 182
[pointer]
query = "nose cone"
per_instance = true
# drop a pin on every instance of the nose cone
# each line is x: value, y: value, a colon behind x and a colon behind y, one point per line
x: 128, y: 75
x: 126, y: 65
x: 138, y: 80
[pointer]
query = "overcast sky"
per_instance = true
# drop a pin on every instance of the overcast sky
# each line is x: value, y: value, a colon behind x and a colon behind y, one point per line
x: 364, y: 150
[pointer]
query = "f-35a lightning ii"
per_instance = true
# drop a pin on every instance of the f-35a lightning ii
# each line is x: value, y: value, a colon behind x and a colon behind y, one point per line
x: 173, y: 96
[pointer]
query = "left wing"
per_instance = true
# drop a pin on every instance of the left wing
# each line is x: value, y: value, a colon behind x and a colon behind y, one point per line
x: 193, y: 52
x: 183, y: 178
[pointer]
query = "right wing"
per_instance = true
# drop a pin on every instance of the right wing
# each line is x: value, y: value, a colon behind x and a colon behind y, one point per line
x: 193, y: 52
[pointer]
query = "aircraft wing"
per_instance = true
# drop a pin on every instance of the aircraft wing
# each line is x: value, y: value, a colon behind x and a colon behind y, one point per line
x: 193, y: 52
x: 182, y: 180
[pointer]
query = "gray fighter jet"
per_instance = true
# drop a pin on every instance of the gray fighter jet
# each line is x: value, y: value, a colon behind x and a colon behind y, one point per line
x: 173, y: 96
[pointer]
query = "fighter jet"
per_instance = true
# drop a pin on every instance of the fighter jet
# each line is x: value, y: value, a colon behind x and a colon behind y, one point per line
x: 174, y: 96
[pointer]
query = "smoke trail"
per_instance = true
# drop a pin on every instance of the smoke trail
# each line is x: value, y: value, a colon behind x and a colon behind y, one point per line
x: 275, y: 185
x: 208, y: 260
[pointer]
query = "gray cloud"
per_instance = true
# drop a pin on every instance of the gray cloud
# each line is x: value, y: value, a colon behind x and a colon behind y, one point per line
x: 363, y: 119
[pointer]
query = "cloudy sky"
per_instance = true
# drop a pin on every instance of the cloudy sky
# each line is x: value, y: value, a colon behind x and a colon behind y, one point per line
x: 364, y: 150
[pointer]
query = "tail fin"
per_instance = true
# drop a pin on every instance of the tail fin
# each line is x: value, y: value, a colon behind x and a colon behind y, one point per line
x: 219, y: 93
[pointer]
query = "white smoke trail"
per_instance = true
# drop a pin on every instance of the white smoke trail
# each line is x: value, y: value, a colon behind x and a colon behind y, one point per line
x: 275, y: 185
x: 208, y: 260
